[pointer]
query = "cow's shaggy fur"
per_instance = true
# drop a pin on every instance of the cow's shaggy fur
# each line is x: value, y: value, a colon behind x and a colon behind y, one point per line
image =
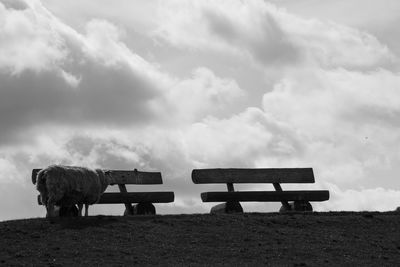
x: 66, y: 186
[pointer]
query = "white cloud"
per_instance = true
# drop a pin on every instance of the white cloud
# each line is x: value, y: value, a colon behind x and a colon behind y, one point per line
x: 14, y: 4
x: 377, y: 199
x: 8, y: 171
x: 306, y: 93
x: 70, y: 79
x: 98, y: 80
x: 245, y: 30
x: 202, y: 95
x: 109, y: 81
x: 317, y: 97
x: 334, y: 45
x: 346, y: 120
x: 28, y: 41
x: 268, y: 35
x: 240, y: 140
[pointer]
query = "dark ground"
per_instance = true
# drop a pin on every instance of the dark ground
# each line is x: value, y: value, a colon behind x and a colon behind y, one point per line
x: 250, y: 239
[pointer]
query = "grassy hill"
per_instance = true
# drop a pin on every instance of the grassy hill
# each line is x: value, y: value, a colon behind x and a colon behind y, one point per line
x: 298, y: 239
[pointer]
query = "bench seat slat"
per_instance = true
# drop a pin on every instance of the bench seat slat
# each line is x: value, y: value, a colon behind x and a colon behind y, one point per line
x: 132, y: 197
x: 136, y: 197
x: 266, y: 196
x: 271, y: 175
x: 135, y: 177
x: 124, y: 177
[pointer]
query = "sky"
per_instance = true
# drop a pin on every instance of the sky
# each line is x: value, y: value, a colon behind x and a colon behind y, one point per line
x: 171, y: 86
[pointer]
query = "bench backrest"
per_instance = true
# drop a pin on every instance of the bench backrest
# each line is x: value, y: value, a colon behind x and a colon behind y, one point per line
x: 124, y: 177
x: 273, y: 175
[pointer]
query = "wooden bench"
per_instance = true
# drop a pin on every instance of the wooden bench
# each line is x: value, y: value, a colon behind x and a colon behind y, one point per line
x: 275, y: 176
x: 144, y: 200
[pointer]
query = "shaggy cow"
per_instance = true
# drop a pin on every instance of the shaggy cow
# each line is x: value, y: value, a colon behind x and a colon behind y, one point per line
x: 66, y: 186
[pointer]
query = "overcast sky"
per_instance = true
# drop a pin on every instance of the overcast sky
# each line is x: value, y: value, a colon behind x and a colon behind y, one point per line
x: 175, y: 85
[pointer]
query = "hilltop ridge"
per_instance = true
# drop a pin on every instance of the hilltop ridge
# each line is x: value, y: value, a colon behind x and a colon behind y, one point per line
x: 297, y: 239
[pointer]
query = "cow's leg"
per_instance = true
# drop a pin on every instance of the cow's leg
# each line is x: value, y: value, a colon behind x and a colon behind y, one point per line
x: 80, y: 207
x: 50, y: 207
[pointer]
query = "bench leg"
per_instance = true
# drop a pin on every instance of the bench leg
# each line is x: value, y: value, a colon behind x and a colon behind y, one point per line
x: 302, y: 205
x: 144, y: 208
x: 128, y: 206
x: 227, y: 207
x: 128, y: 210
x: 298, y: 205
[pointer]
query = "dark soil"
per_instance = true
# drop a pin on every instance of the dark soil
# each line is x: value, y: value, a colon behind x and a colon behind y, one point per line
x: 250, y: 239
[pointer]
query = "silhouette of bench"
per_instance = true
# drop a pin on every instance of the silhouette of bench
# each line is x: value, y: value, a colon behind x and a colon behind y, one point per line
x: 144, y: 200
x: 301, y: 199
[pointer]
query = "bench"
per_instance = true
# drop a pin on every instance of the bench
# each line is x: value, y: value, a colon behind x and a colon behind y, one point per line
x: 144, y: 200
x: 276, y: 176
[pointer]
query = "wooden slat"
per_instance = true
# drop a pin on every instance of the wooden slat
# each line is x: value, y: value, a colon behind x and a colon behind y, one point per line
x: 136, y: 197
x: 135, y: 177
x: 125, y: 177
x: 132, y: 197
x: 230, y: 187
x: 128, y: 206
x: 34, y: 174
x: 264, y: 196
x: 278, y: 188
x: 273, y: 175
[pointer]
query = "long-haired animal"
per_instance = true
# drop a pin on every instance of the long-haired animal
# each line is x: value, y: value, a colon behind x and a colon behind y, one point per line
x: 66, y: 186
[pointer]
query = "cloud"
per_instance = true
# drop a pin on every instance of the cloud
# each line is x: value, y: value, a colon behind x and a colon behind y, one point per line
x: 95, y: 79
x: 332, y: 45
x: 240, y: 140
x: 344, y: 117
x: 268, y: 35
x: 8, y: 171
x: 22, y: 28
x: 229, y: 84
x: 14, y: 4
x: 202, y: 95
x: 69, y: 78
x: 377, y: 199
x: 19, y: 202
x: 338, y: 94
x: 244, y: 30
